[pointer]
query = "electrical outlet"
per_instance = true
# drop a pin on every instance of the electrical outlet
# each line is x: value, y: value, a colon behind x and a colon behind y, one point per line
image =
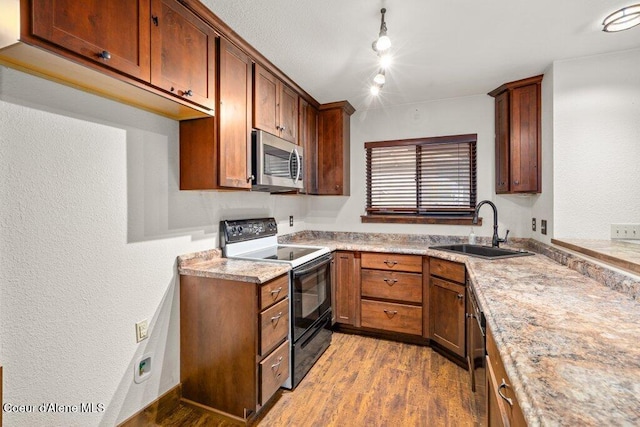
x: 543, y: 226
x: 625, y: 231
x: 533, y: 224
x: 142, y: 330
x: 142, y: 368
x: 291, y: 221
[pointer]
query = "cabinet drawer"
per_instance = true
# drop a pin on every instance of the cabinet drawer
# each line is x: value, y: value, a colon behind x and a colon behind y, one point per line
x: 392, y: 285
x: 391, y: 317
x: 274, y: 325
x: 410, y: 263
x: 274, y: 291
x: 447, y: 269
x: 274, y: 370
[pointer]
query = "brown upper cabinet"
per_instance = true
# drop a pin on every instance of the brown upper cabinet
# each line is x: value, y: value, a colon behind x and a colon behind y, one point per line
x: 152, y: 54
x: 275, y: 106
x: 111, y: 33
x: 518, y: 133
x: 308, y: 138
x: 333, y: 154
x: 182, y: 53
x: 215, y: 153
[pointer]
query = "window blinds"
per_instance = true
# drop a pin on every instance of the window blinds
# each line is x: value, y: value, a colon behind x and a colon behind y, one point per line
x: 427, y: 176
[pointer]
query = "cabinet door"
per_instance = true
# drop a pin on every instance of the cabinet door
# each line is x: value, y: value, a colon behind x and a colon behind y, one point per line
x: 333, y: 148
x: 447, y: 314
x: 524, y: 138
x: 502, y: 142
x: 234, y: 117
x: 496, y: 413
x: 265, y: 101
x: 119, y: 28
x: 182, y: 53
x: 308, y: 138
x: 345, y: 288
x: 288, y: 108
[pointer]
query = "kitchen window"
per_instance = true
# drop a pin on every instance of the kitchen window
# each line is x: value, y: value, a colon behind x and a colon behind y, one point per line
x: 423, y: 180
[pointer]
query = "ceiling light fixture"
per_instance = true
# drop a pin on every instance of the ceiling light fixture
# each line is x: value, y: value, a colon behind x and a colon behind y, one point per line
x: 623, y: 19
x: 381, y: 46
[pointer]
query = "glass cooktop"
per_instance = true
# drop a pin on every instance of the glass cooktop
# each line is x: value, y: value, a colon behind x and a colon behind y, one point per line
x: 292, y: 254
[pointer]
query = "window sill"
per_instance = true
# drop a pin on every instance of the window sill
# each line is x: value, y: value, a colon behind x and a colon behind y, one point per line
x: 418, y: 219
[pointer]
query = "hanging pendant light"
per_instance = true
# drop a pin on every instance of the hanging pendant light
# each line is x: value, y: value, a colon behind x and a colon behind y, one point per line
x: 384, y: 42
x: 623, y: 19
x: 381, y: 46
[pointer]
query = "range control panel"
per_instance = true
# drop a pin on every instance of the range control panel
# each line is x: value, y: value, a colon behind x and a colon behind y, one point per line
x: 239, y: 230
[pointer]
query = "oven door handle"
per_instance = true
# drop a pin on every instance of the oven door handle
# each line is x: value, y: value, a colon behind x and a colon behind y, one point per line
x: 298, y: 273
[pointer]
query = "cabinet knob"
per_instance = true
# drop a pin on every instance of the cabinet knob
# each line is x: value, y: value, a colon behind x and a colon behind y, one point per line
x: 390, y: 263
x: 250, y: 178
x: 390, y: 282
x: 516, y: 182
x: 188, y: 92
x: 391, y: 313
x: 460, y: 296
x: 283, y: 128
x: 105, y: 55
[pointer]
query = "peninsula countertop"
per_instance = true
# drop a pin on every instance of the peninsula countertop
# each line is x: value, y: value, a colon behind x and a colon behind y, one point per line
x: 568, y: 342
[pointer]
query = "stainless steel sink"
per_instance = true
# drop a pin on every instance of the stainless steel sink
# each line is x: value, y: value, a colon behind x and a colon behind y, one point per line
x: 486, y: 252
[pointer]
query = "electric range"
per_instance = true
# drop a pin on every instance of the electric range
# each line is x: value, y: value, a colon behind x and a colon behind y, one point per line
x: 309, y: 286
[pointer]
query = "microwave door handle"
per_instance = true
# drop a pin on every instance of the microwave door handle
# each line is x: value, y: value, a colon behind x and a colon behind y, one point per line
x: 290, y: 163
x: 295, y: 150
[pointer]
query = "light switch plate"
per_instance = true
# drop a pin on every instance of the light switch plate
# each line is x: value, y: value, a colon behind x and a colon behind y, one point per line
x: 142, y: 330
x: 625, y: 231
x: 533, y: 224
x: 543, y: 226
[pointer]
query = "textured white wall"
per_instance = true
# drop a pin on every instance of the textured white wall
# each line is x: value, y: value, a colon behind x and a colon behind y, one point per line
x: 445, y: 117
x: 596, y: 115
x: 542, y: 207
x: 91, y: 222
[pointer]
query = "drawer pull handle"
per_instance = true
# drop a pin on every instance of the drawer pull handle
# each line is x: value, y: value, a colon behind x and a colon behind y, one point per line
x: 504, y: 385
x: 391, y: 313
x: 276, y: 318
x: 276, y: 365
x: 390, y: 282
x: 275, y: 292
x: 390, y: 263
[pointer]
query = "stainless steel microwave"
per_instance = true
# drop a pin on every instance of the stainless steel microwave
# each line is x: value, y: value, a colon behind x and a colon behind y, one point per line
x: 276, y: 164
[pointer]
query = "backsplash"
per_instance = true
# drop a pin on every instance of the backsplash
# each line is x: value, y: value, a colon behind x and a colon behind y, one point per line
x: 618, y: 281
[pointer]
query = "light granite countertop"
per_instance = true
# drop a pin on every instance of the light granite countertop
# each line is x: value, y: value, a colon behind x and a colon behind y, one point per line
x: 569, y: 343
x: 624, y: 254
x: 211, y: 264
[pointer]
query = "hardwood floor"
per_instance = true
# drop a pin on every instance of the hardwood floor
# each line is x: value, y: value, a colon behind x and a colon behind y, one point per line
x: 362, y: 381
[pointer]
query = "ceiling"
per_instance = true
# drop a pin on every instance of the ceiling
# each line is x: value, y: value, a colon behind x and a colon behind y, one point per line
x: 441, y: 48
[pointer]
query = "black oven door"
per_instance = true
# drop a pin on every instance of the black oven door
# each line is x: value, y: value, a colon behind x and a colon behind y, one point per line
x: 311, y: 288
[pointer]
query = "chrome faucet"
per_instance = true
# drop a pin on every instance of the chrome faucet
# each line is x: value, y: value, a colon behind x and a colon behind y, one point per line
x: 495, y: 240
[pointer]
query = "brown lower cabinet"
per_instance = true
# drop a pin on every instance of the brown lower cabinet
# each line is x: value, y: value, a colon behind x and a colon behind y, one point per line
x: 234, y: 352
x: 503, y: 408
x: 447, y: 299
x: 409, y: 297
